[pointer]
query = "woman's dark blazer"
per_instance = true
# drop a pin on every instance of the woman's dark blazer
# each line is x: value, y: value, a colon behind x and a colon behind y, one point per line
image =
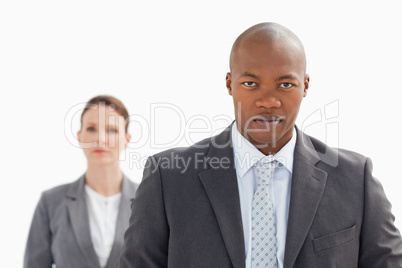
x: 60, y: 231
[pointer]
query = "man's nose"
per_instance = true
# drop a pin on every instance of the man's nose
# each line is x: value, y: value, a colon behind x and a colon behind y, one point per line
x: 268, y: 100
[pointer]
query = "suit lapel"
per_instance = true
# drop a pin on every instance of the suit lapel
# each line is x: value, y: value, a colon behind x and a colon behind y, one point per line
x: 128, y: 192
x: 77, y: 209
x: 308, y: 184
x: 223, y: 193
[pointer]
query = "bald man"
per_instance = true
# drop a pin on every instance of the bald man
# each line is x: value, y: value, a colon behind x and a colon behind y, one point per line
x: 262, y: 193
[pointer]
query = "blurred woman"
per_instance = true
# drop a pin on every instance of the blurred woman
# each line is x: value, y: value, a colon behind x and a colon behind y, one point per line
x: 81, y: 224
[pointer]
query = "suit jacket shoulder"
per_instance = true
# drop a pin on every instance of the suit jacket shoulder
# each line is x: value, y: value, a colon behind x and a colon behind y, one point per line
x: 60, y: 231
x: 187, y: 211
x: 349, y: 220
x: 214, y: 152
x: 54, y: 197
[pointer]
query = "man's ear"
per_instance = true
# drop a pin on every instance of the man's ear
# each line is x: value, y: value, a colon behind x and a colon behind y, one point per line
x: 229, y: 83
x: 306, y: 84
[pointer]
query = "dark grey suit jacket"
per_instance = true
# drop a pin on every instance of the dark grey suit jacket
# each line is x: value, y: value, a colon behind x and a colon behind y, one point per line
x: 338, y: 216
x: 60, y: 232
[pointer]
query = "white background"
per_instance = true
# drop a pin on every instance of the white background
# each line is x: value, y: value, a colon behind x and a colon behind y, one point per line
x: 57, y: 54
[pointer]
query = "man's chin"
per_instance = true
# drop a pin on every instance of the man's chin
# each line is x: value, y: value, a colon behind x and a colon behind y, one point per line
x: 262, y: 140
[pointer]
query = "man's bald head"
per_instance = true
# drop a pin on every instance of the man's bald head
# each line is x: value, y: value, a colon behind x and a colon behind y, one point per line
x: 268, y: 82
x: 271, y: 34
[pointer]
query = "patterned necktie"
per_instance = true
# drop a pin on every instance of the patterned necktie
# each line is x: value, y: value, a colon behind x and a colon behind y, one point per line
x: 263, y: 234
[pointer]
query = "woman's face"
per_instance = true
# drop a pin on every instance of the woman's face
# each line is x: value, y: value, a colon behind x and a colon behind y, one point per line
x: 102, y: 135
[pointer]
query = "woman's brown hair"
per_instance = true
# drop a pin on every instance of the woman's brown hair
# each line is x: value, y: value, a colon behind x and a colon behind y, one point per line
x: 108, y: 101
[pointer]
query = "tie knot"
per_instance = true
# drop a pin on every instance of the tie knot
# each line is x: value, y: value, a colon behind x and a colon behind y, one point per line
x: 265, y: 170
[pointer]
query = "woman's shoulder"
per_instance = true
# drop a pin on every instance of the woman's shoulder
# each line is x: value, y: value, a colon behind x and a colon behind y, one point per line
x: 61, y: 191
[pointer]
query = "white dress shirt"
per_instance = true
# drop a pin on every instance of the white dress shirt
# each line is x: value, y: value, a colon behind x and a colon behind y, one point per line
x: 246, y: 155
x: 102, y: 213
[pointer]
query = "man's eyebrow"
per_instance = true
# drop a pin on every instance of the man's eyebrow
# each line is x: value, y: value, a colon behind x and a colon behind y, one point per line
x: 286, y: 77
x: 247, y: 74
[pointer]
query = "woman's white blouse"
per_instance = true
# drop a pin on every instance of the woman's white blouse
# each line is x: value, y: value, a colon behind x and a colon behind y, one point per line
x: 102, y: 212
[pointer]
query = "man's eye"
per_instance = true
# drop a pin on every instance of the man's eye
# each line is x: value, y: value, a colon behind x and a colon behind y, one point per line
x: 112, y: 130
x: 286, y: 85
x: 90, y: 129
x: 249, y: 84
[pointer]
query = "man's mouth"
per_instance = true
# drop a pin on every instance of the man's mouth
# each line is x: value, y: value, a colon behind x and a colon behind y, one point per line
x: 268, y: 121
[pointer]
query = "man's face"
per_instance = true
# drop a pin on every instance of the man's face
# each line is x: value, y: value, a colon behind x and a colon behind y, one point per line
x: 268, y: 83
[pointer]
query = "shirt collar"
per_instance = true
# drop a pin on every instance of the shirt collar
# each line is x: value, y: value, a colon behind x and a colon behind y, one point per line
x: 246, y: 154
x: 95, y: 196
